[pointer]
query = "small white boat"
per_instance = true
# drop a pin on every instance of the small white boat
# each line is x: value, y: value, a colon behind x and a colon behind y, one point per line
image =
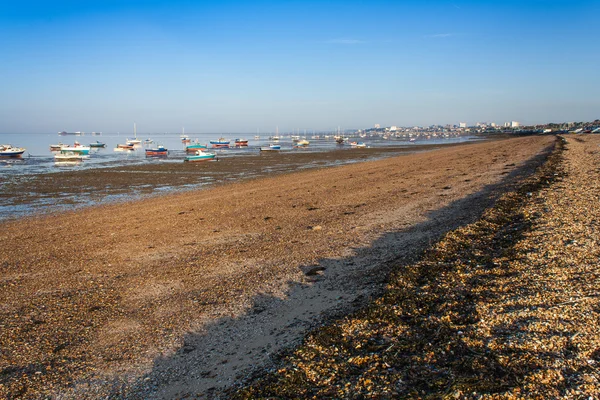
x: 68, y: 156
x: 7, y: 150
x: 135, y: 140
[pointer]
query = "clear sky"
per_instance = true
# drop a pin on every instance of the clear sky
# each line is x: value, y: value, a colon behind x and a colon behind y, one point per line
x: 239, y: 66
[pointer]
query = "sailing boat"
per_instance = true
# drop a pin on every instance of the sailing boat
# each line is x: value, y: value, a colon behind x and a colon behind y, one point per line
x: 135, y: 140
x: 276, y: 137
x: 184, y: 138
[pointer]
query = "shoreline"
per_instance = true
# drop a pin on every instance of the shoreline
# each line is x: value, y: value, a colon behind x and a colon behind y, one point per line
x: 80, y: 188
x: 136, y: 282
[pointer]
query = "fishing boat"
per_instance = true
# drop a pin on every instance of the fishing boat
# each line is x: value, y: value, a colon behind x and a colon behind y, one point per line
x: 192, y: 148
x: 271, y: 147
x: 98, y: 144
x: 221, y: 143
x: 241, y: 142
x: 68, y: 156
x: 148, y: 141
x: 76, y: 148
x: 199, y: 155
x: 8, y: 151
x: 157, y: 151
x: 358, y: 144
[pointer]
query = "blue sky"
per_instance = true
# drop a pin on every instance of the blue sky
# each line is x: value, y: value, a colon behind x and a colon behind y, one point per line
x: 239, y: 66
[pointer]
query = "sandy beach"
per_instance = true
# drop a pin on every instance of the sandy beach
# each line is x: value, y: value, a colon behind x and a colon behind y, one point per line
x: 188, y: 294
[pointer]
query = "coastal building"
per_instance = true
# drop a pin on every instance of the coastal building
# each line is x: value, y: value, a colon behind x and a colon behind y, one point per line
x: 462, y: 124
x: 377, y: 126
x: 514, y: 124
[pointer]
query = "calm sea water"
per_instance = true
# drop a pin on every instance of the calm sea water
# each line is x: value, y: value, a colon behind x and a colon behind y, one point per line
x: 39, y: 159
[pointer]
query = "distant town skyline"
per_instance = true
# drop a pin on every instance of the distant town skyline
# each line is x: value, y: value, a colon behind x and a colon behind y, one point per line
x: 234, y: 66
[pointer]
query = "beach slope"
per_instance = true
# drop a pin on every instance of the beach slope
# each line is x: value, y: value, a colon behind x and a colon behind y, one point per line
x: 189, y: 293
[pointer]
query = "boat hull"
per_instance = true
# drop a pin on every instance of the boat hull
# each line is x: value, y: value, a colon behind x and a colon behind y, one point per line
x: 79, y: 149
x: 270, y: 148
x: 204, y: 157
x: 156, y: 153
x: 11, y: 154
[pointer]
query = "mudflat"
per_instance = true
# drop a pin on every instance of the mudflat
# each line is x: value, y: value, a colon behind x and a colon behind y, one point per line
x: 189, y: 293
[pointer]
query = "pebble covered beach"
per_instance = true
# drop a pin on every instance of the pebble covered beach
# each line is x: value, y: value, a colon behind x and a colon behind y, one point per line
x: 191, y: 294
x: 504, y: 308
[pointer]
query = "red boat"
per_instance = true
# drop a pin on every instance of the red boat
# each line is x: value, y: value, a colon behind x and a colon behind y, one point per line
x: 158, y: 151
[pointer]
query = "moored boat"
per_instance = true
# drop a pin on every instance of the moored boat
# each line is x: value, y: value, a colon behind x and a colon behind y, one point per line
x: 302, y: 143
x: 241, y: 142
x: 221, y: 143
x: 68, y: 156
x: 192, y: 148
x: 135, y: 140
x: 7, y: 150
x: 77, y: 148
x: 98, y: 144
x: 199, y: 155
x: 124, y: 147
x: 57, y: 147
x: 157, y: 151
x: 271, y: 147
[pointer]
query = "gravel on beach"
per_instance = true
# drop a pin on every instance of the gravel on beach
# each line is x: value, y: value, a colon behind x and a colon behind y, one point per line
x: 505, y: 308
x: 101, y: 300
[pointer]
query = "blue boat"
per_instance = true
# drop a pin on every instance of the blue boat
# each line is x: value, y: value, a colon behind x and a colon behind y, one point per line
x: 157, y: 151
x: 272, y: 147
x: 98, y: 144
x: 222, y: 142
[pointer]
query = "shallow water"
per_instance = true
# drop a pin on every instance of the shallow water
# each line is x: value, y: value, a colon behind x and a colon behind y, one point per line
x: 36, y: 184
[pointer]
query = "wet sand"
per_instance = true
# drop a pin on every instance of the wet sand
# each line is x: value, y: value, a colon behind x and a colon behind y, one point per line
x: 74, y: 187
x: 188, y: 293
